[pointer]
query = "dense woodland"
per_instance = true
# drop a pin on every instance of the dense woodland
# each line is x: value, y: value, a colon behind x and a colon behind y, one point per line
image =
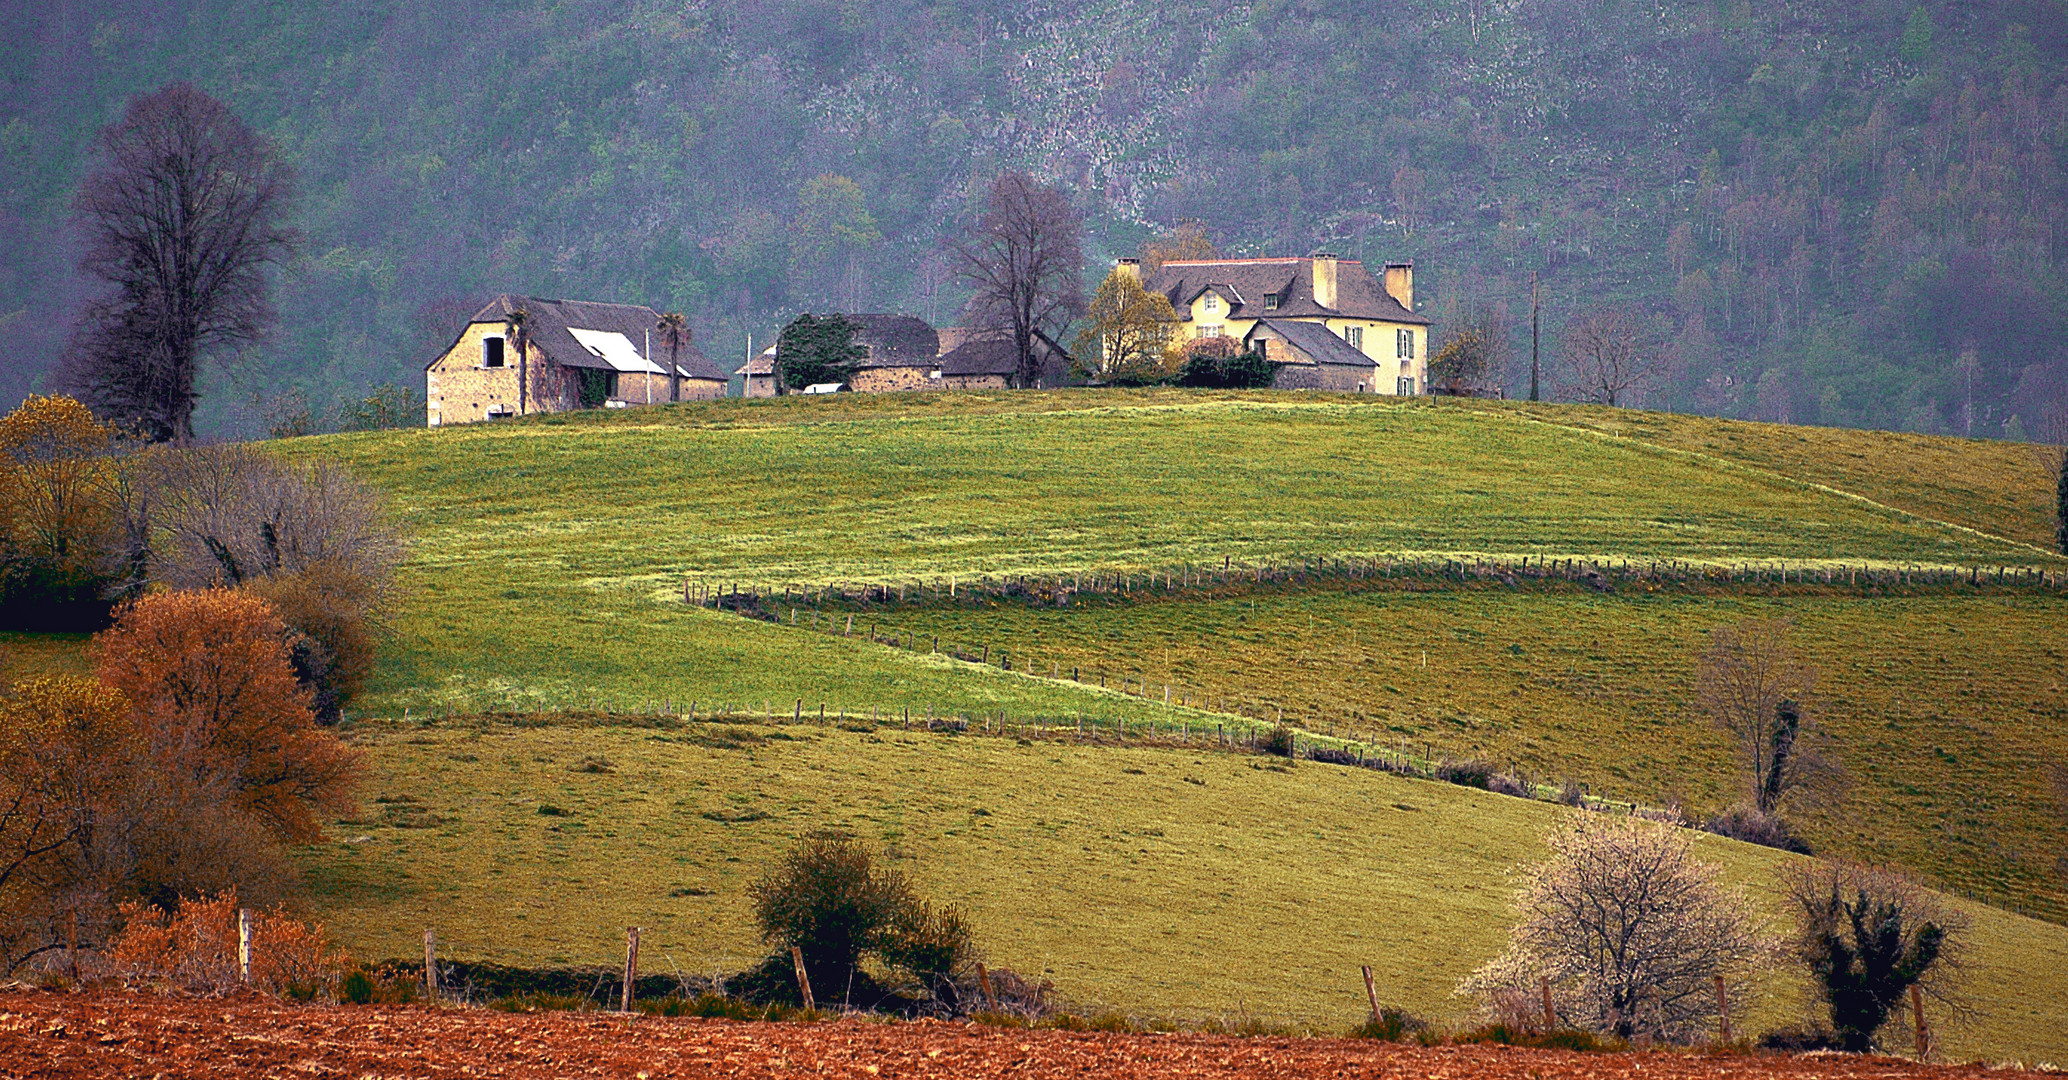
x: 1838, y: 213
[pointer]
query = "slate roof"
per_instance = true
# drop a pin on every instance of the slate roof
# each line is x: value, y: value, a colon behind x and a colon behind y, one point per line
x: 895, y: 340
x: 1318, y: 342
x: 984, y: 356
x: 547, y: 322
x: 994, y: 356
x: 1244, y: 282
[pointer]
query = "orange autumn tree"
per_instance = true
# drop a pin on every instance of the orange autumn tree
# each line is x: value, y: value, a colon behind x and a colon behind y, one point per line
x: 215, y: 700
x: 65, y: 774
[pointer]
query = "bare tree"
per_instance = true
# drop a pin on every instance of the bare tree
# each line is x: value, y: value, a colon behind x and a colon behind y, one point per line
x: 1754, y: 687
x: 1631, y: 931
x: 1474, y: 353
x: 230, y: 516
x: 1867, y: 935
x: 1604, y: 356
x: 183, y: 221
x: 1024, y: 260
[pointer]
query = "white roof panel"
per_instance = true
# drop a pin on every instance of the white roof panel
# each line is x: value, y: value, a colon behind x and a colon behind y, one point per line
x: 615, y: 349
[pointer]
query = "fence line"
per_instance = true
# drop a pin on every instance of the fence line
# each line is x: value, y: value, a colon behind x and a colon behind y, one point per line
x: 1601, y: 575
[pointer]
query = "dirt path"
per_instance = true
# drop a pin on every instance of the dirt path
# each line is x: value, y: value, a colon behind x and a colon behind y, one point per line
x: 58, y: 1036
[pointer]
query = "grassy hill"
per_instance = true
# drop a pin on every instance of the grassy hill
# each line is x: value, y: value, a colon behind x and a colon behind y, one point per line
x: 543, y: 586
x: 549, y: 554
x: 1166, y: 880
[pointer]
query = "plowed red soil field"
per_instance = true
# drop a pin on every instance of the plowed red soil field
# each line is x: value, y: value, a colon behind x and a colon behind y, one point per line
x: 57, y: 1036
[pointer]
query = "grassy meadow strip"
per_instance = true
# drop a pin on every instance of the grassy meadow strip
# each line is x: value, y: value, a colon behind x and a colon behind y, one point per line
x: 1174, y: 881
x: 1996, y: 487
x: 557, y: 647
x: 1946, y: 708
x: 897, y: 497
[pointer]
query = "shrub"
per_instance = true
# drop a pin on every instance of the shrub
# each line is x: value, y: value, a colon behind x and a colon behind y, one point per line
x: 1565, y: 1039
x: 1391, y: 1025
x: 194, y: 947
x: 829, y: 899
x: 331, y: 612
x: 356, y: 988
x: 216, y: 702
x: 1867, y: 936
x: 1471, y: 773
x: 1650, y: 969
x: 1748, y: 823
x: 1503, y: 784
x: 1277, y: 742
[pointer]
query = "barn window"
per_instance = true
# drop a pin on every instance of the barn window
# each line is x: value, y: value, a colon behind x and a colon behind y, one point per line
x: 492, y: 352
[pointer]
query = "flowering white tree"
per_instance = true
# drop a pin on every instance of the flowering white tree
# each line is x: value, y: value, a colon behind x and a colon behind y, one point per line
x: 1631, y: 930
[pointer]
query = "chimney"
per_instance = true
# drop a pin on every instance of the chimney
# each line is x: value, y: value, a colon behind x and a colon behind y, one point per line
x: 1325, y: 278
x: 1400, y: 283
x: 1130, y: 267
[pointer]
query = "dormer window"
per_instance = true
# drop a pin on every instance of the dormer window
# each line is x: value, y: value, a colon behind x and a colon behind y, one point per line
x: 492, y: 352
x: 1270, y: 301
x: 1213, y: 303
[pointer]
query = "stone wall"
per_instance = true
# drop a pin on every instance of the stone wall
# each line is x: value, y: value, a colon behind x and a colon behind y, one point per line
x: 881, y: 380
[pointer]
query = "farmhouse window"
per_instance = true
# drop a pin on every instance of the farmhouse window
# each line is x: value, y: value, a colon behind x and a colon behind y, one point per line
x: 1213, y: 303
x: 1270, y: 301
x: 1405, y: 387
x: 492, y: 352
x: 1404, y: 344
x: 1209, y: 331
x: 1355, y: 336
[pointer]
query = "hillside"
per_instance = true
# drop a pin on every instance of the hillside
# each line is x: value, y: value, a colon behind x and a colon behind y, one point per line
x: 549, y: 558
x: 1840, y: 213
x: 1170, y: 882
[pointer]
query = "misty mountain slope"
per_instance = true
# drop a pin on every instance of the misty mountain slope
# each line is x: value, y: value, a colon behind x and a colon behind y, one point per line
x: 1835, y: 213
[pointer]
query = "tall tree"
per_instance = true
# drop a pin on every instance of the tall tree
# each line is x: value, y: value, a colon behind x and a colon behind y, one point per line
x: 1023, y: 260
x: 1754, y: 687
x: 1474, y: 353
x: 1127, y: 335
x: 184, y: 218
x: 1604, y: 355
x: 675, y: 331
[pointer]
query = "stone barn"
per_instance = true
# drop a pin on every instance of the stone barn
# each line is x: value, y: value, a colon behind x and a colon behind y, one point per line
x: 578, y: 354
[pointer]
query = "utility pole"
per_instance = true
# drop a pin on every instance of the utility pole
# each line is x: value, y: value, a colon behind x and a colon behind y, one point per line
x: 1533, y: 368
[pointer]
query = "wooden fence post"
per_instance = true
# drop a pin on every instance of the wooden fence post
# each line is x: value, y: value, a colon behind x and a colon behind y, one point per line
x: 430, y: 966
x: 1924, y: 1035
x: 1550, y: 1017
x: 984, y: 981
x: 631, y: 967
x: 243, y: 944
x: 803, y: 980
x: 1723, y: 1011
x: 1371, y: 994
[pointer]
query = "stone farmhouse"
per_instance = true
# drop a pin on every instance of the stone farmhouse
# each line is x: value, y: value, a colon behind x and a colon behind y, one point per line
x: 578, y: 354
x: 1326, y: 322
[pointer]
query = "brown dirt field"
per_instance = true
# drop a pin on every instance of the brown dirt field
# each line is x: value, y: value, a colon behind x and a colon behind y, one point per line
x: 55, y: 1036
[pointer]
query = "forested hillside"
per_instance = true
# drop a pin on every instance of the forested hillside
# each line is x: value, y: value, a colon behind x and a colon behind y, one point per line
x: 1839, y: 213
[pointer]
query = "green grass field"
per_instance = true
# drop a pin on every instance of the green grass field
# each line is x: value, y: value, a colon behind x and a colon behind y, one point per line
x: 1945, y: 708
x: 903, y: 492
x: 1168, y: 881
x: 544, y: 576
